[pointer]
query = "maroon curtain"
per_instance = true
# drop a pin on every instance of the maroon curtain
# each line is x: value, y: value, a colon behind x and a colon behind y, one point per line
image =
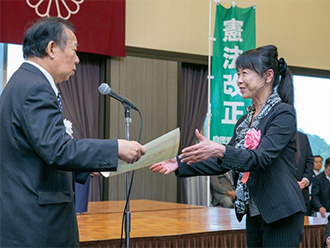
x: 99, y: 25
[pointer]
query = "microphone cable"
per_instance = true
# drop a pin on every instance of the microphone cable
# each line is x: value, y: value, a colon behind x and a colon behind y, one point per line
x: 130, y: 185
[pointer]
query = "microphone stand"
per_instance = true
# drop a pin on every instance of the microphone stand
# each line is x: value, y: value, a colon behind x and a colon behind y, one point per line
x: 128, y: 120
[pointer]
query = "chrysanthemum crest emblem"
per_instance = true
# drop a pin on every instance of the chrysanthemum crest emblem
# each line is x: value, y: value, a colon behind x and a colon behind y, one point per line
x: 63, y: 8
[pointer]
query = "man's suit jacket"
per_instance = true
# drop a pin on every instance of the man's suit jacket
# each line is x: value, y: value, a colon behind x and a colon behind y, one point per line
x: 321, y: 192
x: 273, y: 183
x: 37, y: 157
x: 220, y: 186
x: 304, y: 166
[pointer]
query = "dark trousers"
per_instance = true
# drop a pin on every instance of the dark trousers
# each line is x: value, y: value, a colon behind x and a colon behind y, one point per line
x: 286, y: 232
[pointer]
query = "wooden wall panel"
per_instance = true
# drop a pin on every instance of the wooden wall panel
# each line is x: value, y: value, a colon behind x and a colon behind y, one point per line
x: 151, y: 84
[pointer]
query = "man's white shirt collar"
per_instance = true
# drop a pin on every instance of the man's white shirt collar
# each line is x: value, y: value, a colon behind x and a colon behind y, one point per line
x: 47, y: 75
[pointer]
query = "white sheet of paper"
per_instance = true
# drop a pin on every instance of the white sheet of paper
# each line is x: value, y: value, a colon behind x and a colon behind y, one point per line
x: 160, y: 149
x: 317, y: 214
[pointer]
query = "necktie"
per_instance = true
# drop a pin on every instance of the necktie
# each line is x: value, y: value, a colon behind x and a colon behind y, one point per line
x: 59, y: 99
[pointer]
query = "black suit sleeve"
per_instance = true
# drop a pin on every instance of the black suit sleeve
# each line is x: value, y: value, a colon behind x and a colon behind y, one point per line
x: 204, y: 168
x: 80, y: 177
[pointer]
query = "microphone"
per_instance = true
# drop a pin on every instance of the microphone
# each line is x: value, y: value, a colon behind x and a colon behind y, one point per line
x: 105, y: 89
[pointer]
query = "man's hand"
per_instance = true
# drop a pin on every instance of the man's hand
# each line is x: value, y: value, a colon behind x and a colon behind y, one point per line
x: 322, y: 211
x: 232, y: 194
x: 130, y: 151
x: 95, y: 174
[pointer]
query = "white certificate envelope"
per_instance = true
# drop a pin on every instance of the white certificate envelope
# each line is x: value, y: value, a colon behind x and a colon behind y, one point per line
x: 160, y: 149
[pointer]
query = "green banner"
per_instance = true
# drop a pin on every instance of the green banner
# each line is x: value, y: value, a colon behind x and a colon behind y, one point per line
x: 234, y: 33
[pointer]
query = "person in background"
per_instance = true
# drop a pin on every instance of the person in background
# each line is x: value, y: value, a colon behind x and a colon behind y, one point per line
x: 223, y: 190
x: 37, y: 155
x: 304, y: 167
x: 318, y: 160
x: 262, y: 150
x: 321, y: 190
x: 317, y: 166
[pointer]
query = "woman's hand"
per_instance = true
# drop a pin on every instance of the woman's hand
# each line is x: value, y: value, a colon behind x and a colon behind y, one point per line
x: 165, y: 167
x: 204, y: 150
x: 303, y: 183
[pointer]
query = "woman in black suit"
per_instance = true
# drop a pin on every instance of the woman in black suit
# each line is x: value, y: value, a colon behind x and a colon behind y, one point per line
x: 261, y: 151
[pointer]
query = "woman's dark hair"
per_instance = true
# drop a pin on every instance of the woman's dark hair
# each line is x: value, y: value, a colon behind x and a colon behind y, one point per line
x: 261, y: 60
x: 38, y: 36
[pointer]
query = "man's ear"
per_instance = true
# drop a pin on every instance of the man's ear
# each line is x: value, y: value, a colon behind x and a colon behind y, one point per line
x: 51, y: 49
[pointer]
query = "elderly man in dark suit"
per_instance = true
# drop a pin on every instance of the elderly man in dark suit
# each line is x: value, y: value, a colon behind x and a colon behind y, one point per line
x: 321, y: 190
x: 37, y: 155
